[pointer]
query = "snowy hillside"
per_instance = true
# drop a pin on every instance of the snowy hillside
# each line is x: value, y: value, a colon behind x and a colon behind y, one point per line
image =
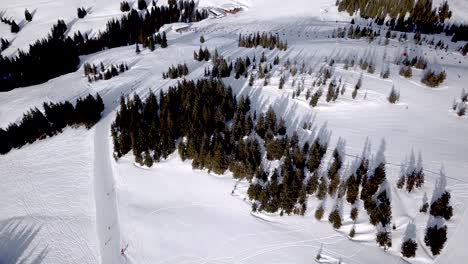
x: 66, y: 199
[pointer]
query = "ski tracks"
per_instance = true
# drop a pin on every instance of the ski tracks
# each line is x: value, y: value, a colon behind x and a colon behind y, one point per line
x: 107, y: 221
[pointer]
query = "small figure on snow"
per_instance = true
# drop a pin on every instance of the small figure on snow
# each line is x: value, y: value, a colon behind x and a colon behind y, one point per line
x: 122, y: 251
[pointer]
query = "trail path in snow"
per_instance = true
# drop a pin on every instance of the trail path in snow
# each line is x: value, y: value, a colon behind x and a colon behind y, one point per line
x: 107, y: 220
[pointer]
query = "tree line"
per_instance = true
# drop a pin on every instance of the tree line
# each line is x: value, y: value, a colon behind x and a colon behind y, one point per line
x: 267, y: 41
x: 58, y: 54
x: 94, y: 73
x: 422, y: 17
x: 37, y: 124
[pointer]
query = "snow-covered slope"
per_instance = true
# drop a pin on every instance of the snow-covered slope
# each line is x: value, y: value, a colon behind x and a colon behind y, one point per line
x: 65, y: 200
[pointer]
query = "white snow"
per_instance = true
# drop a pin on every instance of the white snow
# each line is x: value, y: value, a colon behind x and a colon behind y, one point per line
x: 66, y: 200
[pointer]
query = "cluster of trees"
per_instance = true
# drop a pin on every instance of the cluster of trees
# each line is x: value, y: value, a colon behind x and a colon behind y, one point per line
x: 95, y: 74
x: 195, y: 112
x: 406, y: 71
x: 4, y: 44
x: 46, y: 59
x: 81, y: 12
x: 412, y: 174
x: 222, y: 67
x: 124, y: 6
x: 464, y: 49
x: 14, y: 28
x: 142, y: 5
x: 36, y: 124
x: 202, y: 55
x: 58, y: 54
x: 422, y: 16
x: 419, y: 62
x: 175, y: 72
x: 267, y: 41
x: 287, y: 187
x: 440, y: 210
x: 433, y: 78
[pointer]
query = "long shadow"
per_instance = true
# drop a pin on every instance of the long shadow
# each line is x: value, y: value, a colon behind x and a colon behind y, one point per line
x: 16, y: 238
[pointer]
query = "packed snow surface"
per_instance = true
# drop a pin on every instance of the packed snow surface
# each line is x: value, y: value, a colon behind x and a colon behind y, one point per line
x: 66, y: 200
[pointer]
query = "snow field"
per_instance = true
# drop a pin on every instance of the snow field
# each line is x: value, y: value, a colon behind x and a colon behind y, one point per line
x: 65, y: 199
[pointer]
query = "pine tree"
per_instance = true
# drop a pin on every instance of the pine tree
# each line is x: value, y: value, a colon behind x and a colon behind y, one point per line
x: 335, y: 218
x: 408, y: 248
x: 319, y: 212
x: 27, y: 15
x: 142, y: 4
x: 137, y: 48
x: 14, y: 27
x: 148, y: 159
x: 435, y: 238
x: 352, y: 232
x: 124, y: 6
x: 354, y: 213
x: 164, y: 41
x: 425, y: 204
x: 394, y: 96
x: 384, y: 239
x: 202, y: 39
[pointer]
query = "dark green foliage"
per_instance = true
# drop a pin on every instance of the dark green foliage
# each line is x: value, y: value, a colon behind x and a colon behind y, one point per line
x: 163, y: 40
x: 406, y: 71
x: 197, y: 111
x: 384, y: 239
x: 142, y: 4
x: 312, y: 183
x: 202, y: 39
x: 352, y: 189
x: 59, y: 54
x: 14, y: 28
x: 435, y: 238
x: 315, y: 98
x: 352, y: 232
x: 394, y: 96
x: 27, y: 15
x: 333, y: 172
x: 424, y: 208
x: 354, y: 213
x: 267, y: 41
x: 81, y: 11
x: 316, y: 154
x: 176, y: 72
x: 202, y: 55
x: 319, y: 213
x: 335, y: 218
x: 441, y: 207
x: 36, y: 125
x: 433, y: 79
x: 408, y: 248
x: 4, y: 44
x: 93, y: 74
x: 322, y: 188
x: 124, y: 6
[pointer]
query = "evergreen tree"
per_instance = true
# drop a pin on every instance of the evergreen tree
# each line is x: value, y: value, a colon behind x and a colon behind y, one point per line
x: 27, y: 15
x: 142, y: 4
x: 164, y: 41
x: 435, y: 238
x: 14, y: 27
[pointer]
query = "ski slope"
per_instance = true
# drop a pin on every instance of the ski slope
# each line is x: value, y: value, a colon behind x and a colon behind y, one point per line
x: 66, y: 200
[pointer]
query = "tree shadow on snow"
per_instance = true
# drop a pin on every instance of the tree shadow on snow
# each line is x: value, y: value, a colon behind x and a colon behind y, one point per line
x: 16, y: 239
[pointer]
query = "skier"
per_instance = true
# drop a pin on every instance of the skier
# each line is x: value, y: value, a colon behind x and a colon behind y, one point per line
x: 122, y: 251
